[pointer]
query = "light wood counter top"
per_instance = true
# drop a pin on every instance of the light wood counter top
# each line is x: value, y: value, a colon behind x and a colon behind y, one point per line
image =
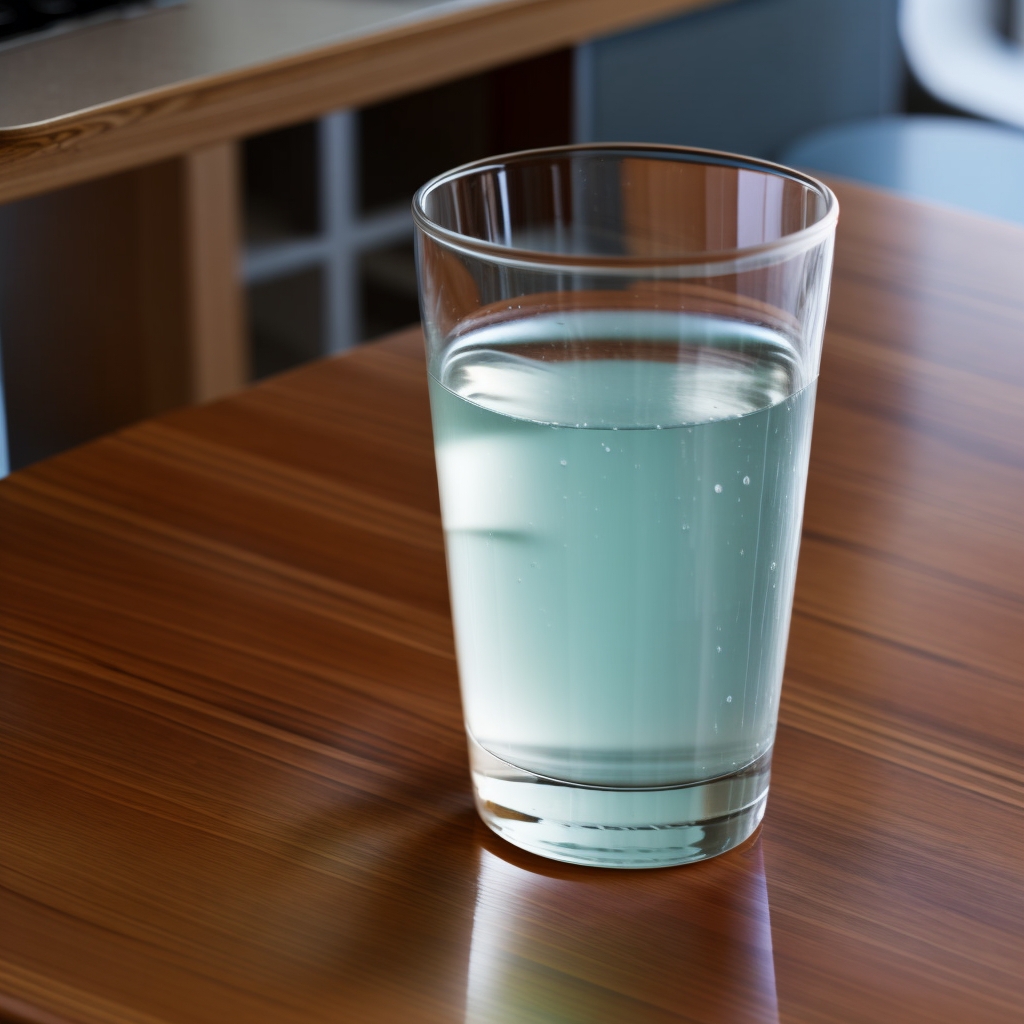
x: 121, y: 94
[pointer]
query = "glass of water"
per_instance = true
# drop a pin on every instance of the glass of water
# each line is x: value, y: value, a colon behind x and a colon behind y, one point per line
x: 623, y: 343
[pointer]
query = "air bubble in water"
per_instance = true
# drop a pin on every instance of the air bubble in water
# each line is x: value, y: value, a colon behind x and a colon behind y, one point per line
x: 718, y: 488
x: 746, y: 481
x: 564, y: 462
x: 728, y: 700
x: 772, y: 567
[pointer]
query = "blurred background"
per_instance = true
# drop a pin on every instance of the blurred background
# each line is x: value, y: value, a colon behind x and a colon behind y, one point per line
x: 922, y: 96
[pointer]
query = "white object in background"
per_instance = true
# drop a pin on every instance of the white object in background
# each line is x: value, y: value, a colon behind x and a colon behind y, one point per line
x: 956, y: 52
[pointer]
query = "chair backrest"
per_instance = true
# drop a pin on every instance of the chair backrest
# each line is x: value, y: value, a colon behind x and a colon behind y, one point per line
x: 958, y: 53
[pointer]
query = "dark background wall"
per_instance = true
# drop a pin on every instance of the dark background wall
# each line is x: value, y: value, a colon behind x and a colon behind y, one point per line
x: 750, y: 76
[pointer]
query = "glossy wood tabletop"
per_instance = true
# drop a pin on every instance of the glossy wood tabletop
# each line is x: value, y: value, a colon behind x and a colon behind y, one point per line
x: 233, y: 780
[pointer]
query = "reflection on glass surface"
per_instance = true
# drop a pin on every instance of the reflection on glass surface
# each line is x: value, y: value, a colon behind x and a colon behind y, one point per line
x: 586, y: 946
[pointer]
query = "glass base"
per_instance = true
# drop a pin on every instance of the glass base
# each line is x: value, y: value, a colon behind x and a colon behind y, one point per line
x: 619, y: 828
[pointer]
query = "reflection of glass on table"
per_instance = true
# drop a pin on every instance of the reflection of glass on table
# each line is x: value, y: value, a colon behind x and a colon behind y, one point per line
x: 707, y: 951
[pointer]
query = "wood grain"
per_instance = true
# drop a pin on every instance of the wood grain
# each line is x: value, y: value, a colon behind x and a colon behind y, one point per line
x: 170, y: 121
x: 212, y: 210
x: 232, y: 773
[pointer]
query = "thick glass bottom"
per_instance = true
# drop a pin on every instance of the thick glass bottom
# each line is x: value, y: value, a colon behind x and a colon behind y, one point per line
x: 619, y: 828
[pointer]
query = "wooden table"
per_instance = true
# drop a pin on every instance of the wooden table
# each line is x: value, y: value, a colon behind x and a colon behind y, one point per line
x: 233, y: 779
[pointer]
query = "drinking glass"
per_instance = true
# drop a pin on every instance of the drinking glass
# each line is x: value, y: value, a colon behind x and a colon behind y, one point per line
x: 623, y: 343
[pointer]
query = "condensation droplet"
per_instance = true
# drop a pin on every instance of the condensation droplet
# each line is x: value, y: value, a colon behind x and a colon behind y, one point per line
x: 718, y: 488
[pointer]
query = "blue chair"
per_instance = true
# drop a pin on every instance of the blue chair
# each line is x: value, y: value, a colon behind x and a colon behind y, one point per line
x: 975, y: 165
x: 956, y: 51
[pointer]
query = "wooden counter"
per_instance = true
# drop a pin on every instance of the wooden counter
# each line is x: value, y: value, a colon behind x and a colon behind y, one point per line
x: 119, y: 95
x: 163, y: 99
x: 233, y: 783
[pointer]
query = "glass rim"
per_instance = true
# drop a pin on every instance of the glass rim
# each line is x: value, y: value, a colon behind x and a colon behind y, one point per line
x: 698, y: 264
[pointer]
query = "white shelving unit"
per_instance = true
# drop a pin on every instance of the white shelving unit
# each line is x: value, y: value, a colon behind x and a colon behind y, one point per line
x: 345, y: 234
